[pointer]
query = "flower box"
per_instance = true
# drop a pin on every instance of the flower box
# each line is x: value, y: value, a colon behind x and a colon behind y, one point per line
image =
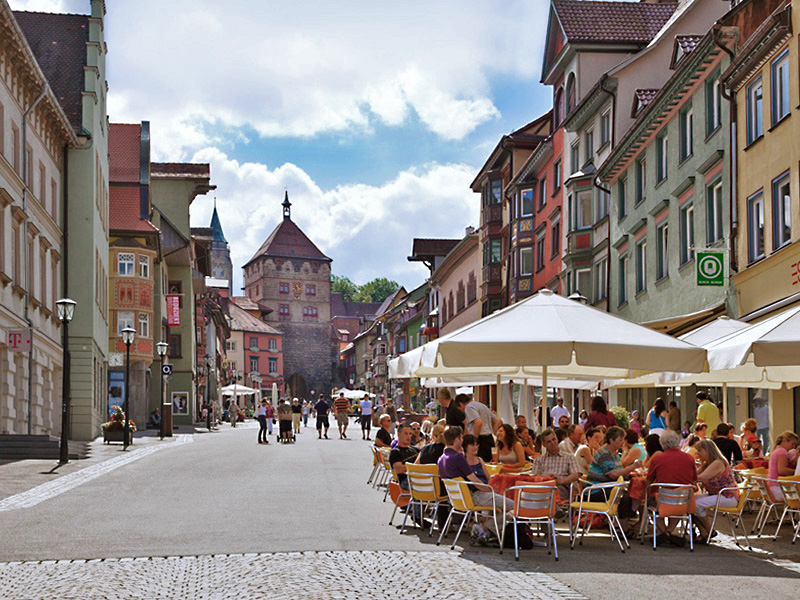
x: 116, y: 436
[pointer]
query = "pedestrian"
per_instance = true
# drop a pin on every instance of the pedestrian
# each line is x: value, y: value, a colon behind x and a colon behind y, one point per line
x: 270, y: 414
x: 366, y: 417
x: 297, y: 411
x: 321, y: 409
x: 285, y: 419
x: 306, y: 408
x: 340, y: 408
x: 261, y: 412
x: 233, y: 413
x: 390, y: 410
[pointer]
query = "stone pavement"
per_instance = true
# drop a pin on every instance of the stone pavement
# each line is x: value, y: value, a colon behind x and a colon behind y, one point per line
x: 313, y: 575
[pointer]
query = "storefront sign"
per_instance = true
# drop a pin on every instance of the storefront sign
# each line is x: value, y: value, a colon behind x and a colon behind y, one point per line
x: 173, y: 310
x: 710, y: 268
x: 19, y: 340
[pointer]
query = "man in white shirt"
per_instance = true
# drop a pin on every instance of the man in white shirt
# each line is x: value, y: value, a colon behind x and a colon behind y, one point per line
x: 558, y: 411
x: 570, y: 443
x: 481, y: 423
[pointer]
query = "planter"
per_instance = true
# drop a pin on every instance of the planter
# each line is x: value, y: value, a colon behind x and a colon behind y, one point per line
x: 116, y: 436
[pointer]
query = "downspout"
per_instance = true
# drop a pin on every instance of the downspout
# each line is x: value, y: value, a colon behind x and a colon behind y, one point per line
x: 613, y: 144
x: 26, y: 253
x: 510, y: 220
x: 596, y: 184
x: 733, y: 209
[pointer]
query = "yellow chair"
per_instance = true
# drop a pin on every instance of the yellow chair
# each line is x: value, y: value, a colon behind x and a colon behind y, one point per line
x: 790, y: 486
x: 461, y: 503
x: 769, y: 502
x: 376, y: 464
x: 493, y: 470
x: 532, y: 504
x: 424, y: 487
x: 609, y: 508
x: 733, y: 513
x: 673, y: 501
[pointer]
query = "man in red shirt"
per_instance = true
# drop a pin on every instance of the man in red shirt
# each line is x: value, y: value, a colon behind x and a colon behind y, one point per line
x: 671, y: 466
x: 340, y: 407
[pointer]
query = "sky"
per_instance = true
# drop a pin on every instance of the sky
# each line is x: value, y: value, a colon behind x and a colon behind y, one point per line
x: 375, y: 117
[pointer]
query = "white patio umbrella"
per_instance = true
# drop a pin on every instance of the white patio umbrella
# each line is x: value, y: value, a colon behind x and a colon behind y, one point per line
x: 547, y: 330
x: 274, y: 394
x: 352, y: 394
x: 237, y: 390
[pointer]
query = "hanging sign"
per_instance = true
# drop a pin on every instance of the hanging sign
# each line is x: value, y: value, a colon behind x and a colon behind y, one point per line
x: 711, y: 268
x: 173, y: 310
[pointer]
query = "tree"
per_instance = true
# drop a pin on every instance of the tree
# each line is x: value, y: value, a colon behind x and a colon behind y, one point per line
x: 345, y: 287
x: 376, y: 290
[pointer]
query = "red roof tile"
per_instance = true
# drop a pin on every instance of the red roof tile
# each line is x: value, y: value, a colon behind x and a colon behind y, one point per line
x: 289, y: 241
x: 124, y: 152
x: 123, y: 210
x: 641, y: 98
x: 623, y: 22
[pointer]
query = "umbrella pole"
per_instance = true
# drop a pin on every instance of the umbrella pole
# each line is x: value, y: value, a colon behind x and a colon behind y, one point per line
x: 544, y: 398
x: 725, y: 402
x: 499, y: 394
x: 524, y: 401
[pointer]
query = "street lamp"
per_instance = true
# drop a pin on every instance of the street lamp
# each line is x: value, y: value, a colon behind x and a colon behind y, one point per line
x: 127, y: 336
x: 161, y: 349
x: 209, y: 363
x: 66, y: 310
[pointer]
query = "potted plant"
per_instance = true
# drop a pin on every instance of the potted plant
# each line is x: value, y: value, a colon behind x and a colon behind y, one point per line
x: 114, y: 428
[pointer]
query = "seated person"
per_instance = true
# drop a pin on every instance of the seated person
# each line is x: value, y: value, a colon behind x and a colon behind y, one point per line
x: 727, y: 445
x: 402, y: 453
x: 509, y: 449
x: 671, y: 466
x: 632, y: 450
x: 652, y: 445
x: 782, y: 461
x: 606, y: 465
x: 561, y: 433
x: 716, y: 474
x: 155, y: 419
x: 556, y: 463
x: 691, y: 446
x: 585, y: 452
x: 430, y: 453
x: 475, y: 462
x: 573, y: 440
x: 383, y: 439
x: 416, y: 435
x: 522, y: 421
x: 753, y: 448
x: 524, y: 435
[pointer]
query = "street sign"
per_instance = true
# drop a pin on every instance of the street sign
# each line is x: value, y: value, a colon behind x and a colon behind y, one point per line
x: 19, y: 340
x: 710, y: 268
x: 173, y: 310
x: 166, y: 370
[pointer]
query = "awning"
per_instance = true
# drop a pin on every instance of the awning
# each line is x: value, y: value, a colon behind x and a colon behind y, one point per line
x: 680, y: 324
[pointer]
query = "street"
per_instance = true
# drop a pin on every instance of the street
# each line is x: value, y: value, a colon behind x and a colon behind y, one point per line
x: 215, y: 515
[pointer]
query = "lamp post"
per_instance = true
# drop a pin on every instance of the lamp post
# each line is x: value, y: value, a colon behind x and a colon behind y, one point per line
x: 234, y: 399
x: 66, y: 310
x: 209, y: 363
x: 161, y: 349
x: 128, y: 334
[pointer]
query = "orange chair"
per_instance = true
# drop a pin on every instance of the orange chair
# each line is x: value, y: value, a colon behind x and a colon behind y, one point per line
x: 674, y: 501
x: 533, y: 504
x: 399, y: 496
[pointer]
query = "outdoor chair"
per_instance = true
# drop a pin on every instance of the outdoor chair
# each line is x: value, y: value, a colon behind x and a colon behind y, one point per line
x: 674, y: 501
x: 769, y: 503
x: 461, y: 503
x: 532, y: 504
x: 423, y: 485
x: 790, y: 486
x: 585, y: 506
x: 733, y: 513
x: 376, y: 464
x: 399, y: 496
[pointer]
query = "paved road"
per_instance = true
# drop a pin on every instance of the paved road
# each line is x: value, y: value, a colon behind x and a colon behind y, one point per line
x: 243, y: 520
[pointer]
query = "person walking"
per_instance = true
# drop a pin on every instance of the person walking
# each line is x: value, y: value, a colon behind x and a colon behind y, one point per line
x: 366, y: 417
x: 261, y: 411
x: 233, y: 413
x: 340, y: 407
x: 270, y: 414
x: 391, y: 410
x: 321, y: 409
x: 297, y: 414
x: 306, y: 408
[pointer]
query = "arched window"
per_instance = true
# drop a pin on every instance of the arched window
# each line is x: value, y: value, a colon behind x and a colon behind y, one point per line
x: 558, y: 108
x: 570, y: 93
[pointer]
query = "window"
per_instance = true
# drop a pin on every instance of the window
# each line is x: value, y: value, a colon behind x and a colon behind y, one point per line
x: 526, y: 261
x: 558, y: 110
x: 781, y: 212
x: 472, y: 288
x: 641, y: 180
x: 555, y: 238
x: 589, y: 150
x: 623, y: 279
x: 461, y: 296
x: 622, y: 208
x: 600, y: 204
x: 254, y: 364
x: 575, y: 157
x: 283, y: 287
x: 310, y: 313
x: 600, y: 273
x: 662, y: 251
x: 687, y: 134
x: 755, y: 111
x: 53, y: 197
x: 2, y: 130
x: 495, y: 251
x: 176, y: 347
x: 253, y: 343
x: 687, y: 232
x: 496, y: 191
x: 15, y: 157
x: 583, y: 216
x: 583, y: 280
x: 144, y: 325
x: 16, y: 253
x: 662, y: 157
x: 540, y: 251
x: 29, y: 173
x: 283, y: 312
x: 272, y: 344
x: 273, y: 366
x: 605, y: 128
x: 713, y: 103
x: 570, y: 93
x: 311, y: 289
x: 144, y: 266
x: 640, y: 257
x: 714, y: 211
x: 124, y: 319
x: 230, y: 346
x: 542, y: 193
x: 780, y: 87
x: 557, y: 175
x: 42, y: 185
x: 526, y: 203
x: 755, y: 226
x: 125, y: 263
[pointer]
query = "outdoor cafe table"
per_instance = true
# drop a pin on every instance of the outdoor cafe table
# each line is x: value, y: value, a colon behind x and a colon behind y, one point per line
x: 500, y: 483
x: 756, y: 463
x: 636, y: 489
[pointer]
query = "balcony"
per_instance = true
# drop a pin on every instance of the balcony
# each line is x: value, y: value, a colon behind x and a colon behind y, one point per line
x: 492, y: 214
x: 579, y: 244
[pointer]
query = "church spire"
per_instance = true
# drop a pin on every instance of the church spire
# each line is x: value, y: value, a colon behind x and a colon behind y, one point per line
x: 216, y: 226
x: 287, y: 207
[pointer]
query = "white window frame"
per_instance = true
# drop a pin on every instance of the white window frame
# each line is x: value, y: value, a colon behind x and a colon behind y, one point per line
x: 144, y: 325
x: 662, y: 251
x: 589, y: 150
x: 605, y: 127
x: 525, y: 261
x: 662, y: 155
x: 144, y: 266
x: 125, y: 318
x: 623, y: 280
x: 714, y: 212
x: 780, y: 90
x: 522, y: 211
x: 640, y: 255
x: 272, y: 345
x: 755, y: 117
x: 125, y: 264
x: 687, y: 232
x: 687, y: 133
x: 755, y: 226
x: 600, y: 277
x: 781, y: 211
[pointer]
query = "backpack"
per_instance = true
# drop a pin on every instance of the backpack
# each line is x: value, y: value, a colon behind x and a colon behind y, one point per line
x: 523, y: 539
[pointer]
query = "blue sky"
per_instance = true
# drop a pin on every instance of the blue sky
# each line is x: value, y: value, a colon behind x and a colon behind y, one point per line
x: 375, y: 117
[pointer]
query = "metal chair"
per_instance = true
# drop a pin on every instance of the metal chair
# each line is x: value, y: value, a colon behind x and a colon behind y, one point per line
x: 376, y: 464
x: 790, y: 486
x: 608, y: 509
x: 674, y: 501
x: 423, y: 485
x: 461, y: 503
x: 532, y: 504
x: 769, y: 502
x: 399, y: 496
x: 733, y: 513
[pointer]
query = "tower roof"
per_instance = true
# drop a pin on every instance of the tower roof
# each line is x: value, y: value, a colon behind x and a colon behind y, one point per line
x: 216, y: 227
x: 288, y: 241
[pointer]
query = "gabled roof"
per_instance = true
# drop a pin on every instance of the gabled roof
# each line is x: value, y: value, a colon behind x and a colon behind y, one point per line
x: 612, y: 22
x: 684, y: 44
x: 347, y: 308
x: 241, y: 320
x: 124, y: 152
x: 59, y: 43
x: 288, y: 241
x: 641, y: 98
x: 387, y: 304
x: 123, y: 210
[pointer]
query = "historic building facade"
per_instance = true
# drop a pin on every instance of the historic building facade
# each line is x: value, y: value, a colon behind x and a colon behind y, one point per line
x: 221, y: 265
x: 291, y: 276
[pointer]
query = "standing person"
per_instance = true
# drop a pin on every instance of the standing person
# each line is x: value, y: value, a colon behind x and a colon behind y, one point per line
x: 366, y: 417
x: 583, y: 417
x: 600, y: 415
x: 233, y: 413
x: 481, y: 423
x: 285, y: 420
x: 657, y: 417
x: 636, y: 422
x: 296, y: 415
x: 433, y: 408
x: 454, y: 416
x: 391, y: 410
x: 558, y: 411
x: 261, y: 412
x: 340, y: 407
x: 305, y: 412
x: 674, y: 418
x: 321, y: 409
x: 707, y: 411
x: 270, y: 414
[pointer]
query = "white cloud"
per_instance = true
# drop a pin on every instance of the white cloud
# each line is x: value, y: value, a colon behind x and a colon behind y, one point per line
x: 366, y: 230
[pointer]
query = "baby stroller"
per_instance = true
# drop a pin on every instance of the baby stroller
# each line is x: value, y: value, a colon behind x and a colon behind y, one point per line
x: 285, y: 427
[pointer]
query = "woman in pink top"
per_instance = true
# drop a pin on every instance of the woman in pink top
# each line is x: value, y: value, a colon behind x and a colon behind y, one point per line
x: 780, y: 460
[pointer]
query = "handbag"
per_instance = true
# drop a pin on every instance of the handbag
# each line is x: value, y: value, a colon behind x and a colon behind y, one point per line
x: 274, y: 421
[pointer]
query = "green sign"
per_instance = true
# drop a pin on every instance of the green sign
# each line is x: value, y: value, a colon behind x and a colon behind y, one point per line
x: 711, y: 268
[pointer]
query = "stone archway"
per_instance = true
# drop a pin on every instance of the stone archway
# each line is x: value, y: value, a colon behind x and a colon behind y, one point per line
x: 296, y: 386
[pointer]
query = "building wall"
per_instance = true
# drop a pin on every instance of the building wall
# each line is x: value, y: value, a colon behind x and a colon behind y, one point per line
x: 468, y: 265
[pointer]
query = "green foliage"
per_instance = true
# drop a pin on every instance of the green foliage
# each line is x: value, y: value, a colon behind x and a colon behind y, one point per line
x: 622, y: 415
x: 376, y: 290
x: 345, y: 287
